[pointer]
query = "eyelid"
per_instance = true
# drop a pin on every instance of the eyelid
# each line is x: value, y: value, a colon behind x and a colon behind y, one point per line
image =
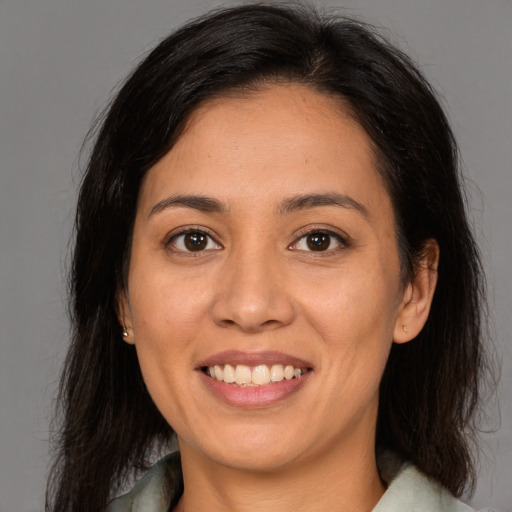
x: 183, y: 230
x: 344, y: 239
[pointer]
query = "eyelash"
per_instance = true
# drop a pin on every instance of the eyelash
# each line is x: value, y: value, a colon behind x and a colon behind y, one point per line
x: 343, y: 241
x: 171, y: 240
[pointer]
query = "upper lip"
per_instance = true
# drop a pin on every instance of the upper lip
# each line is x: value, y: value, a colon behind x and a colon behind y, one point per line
x: 235, y: 357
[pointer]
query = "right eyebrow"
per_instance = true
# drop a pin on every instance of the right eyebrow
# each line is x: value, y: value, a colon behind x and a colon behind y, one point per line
x: 197, y: 202
x: 304, y: 202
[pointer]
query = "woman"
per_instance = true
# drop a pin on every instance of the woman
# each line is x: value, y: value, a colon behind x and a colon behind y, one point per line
x: 272, y: 261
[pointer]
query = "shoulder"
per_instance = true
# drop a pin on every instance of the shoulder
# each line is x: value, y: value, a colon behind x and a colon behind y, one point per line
x: 155, y: 492
x: 410, y: 490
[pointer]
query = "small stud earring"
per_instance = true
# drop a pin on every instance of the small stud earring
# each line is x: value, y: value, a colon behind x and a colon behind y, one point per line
x: 125, y: 333
x: 405, y: 328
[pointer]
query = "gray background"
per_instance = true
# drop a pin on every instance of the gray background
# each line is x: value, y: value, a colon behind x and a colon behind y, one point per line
x: 59, y: 60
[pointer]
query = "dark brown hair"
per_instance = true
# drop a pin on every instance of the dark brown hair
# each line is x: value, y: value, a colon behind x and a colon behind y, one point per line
x: 430, y: 387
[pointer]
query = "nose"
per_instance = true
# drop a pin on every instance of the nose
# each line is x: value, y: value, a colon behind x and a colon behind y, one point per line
x: 252, y: 295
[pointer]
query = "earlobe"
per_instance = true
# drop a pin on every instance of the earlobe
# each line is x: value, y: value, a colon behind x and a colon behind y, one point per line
x: 124, y: 318
x: 418, y: 295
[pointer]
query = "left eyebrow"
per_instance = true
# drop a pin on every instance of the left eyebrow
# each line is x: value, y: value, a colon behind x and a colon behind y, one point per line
x: 196, y: 202
x: 304, y: 202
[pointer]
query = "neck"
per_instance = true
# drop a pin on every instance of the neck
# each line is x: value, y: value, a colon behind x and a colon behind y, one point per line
x: 344, y: 480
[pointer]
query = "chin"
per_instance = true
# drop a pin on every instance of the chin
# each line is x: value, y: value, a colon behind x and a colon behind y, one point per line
x: 251, y: 450
x: 253, y: 460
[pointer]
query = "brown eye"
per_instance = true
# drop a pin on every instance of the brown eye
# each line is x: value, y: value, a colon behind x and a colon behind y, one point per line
x: 192, y: 241
x: 195, y: 241
x: 318, y: 241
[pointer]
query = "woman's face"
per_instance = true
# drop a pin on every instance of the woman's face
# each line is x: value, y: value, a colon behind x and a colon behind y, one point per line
x: 265, y: 239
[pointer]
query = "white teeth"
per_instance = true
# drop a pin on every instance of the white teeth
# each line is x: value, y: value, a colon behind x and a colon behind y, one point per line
x: 243, y: 374
x: 229, y: 374
x: 289, y: 372
x: 277, y: 373
x: 219, y: 374
x: 260, y: 375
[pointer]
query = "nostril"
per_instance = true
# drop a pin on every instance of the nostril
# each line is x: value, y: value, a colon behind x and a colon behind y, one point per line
x: 250, y: 311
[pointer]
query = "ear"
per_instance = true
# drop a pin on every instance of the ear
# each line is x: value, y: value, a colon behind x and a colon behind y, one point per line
x: 124, y: 317
x: 418, y: 294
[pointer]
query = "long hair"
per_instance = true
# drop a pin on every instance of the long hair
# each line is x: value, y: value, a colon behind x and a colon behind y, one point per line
x: 430, y: 386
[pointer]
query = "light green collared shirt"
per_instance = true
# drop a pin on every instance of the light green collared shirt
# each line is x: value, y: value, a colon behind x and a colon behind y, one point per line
x: 409, y: 490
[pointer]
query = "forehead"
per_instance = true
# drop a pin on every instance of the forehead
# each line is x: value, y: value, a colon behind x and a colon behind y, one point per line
x: 277, y: 141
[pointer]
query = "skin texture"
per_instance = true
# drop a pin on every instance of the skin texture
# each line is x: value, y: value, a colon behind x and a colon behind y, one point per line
x: 257, y: 286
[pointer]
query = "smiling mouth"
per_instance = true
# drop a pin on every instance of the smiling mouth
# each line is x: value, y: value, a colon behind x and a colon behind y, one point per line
x: 253, y: 376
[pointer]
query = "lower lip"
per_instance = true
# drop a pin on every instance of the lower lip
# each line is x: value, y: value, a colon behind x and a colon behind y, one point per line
x: 254, y: 396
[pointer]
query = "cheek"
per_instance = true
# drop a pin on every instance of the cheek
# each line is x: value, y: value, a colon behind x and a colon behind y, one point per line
x: 166, y: 305
x: 165, y: 318
x: 354, y: 302
x: 165, y: 324
x: 355, y: 313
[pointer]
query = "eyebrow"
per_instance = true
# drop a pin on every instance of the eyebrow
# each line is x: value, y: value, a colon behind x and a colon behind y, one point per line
x: 304, y: 202
x: 207, y: 204
x: 197, y: 202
